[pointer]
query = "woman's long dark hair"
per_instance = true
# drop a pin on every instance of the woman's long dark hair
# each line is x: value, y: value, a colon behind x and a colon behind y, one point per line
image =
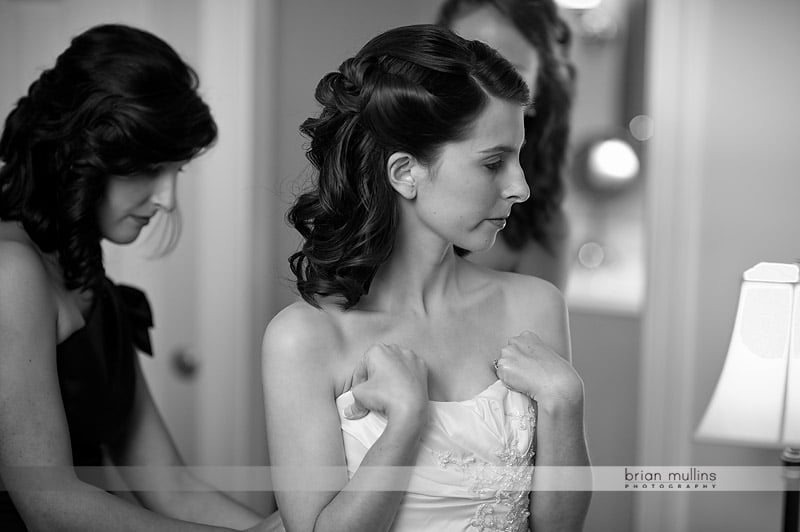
x: 119, y: 101
x: 547, y: 131
x: 410, y: 89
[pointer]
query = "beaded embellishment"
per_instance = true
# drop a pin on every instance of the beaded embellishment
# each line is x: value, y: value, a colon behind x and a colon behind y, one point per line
x: 505, y: 484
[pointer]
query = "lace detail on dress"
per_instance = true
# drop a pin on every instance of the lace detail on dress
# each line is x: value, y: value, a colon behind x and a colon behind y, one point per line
x: 509, y: 481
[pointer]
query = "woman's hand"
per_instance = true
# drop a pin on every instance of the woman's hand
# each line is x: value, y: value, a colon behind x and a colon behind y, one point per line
x: 530, y: 366
x: 391, y: 380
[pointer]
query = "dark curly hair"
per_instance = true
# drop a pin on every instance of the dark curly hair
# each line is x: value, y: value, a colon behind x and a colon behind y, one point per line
x: 119, y: 101
x: 546, y: 132
x: 410, y: 89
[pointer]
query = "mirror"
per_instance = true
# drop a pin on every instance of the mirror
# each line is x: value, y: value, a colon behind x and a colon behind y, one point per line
x: 608, y: 164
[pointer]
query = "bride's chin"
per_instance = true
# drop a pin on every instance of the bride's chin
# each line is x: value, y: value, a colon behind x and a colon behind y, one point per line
x: 478, y: 248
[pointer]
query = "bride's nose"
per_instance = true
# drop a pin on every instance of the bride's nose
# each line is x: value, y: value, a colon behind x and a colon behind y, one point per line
x: 517, y: 189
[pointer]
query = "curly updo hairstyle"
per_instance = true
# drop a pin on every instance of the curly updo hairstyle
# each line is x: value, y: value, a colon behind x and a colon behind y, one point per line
x: 410, y: 89
x: 546, y: 131
x: 119, y: 101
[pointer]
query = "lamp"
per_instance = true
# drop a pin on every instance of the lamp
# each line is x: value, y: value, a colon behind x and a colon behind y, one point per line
x: 757, y: 398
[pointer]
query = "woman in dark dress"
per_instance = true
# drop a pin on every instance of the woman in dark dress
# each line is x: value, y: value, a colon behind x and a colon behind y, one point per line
x: 92, y: 152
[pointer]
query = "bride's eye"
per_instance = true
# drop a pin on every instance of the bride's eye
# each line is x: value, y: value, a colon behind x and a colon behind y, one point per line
x: 494, y: 166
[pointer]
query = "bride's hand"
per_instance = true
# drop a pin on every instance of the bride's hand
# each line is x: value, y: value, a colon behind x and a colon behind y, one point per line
x: 530, y: 366
x: 391, y: 380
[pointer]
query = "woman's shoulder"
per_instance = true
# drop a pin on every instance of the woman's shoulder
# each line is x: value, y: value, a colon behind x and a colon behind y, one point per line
x: 301, y: 332
x: 20, y: 261
x: 26, y: 290
x: 32, y: 280
x: 297, y: 350
x: 528, y: 302
x: 12, y: 231
x: 534, y: 297
x: 525, y: 285
x: 537, y: 305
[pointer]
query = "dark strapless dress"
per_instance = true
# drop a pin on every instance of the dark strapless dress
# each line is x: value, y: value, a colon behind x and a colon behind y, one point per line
x: 96, y: 373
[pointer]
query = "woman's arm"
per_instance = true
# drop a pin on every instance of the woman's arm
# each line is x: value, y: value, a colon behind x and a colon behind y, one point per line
x: 560, y: 442
x: 148, y: 443
x: 540, y: 367
x: 35, y: 451
x: 304, y: 430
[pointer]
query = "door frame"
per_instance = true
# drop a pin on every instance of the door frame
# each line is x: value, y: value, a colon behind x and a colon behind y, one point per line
x: 678, y: 33
x: 235, y: 59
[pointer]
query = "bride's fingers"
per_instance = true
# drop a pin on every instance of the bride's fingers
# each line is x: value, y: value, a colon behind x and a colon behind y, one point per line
x: 355, y: 410
x: 361, y: 371
x: 361, y: 394
x: 526, y: 340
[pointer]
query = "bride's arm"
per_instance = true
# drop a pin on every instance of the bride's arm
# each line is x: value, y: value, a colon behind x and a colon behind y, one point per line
x: 560, y: 442
x: 560, y: 434
x: 304, y: 429
x: 539, y: 365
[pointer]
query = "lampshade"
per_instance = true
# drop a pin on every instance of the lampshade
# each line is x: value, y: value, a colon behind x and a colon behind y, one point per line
x: 757, y: 398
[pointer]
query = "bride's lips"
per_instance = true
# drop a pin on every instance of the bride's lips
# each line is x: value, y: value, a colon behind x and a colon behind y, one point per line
x: 499, y: 222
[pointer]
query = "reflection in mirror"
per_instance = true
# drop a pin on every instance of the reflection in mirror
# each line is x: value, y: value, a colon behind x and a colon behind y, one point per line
x: 606, y: 181
x: 609, y: 133
x: 608, y: 165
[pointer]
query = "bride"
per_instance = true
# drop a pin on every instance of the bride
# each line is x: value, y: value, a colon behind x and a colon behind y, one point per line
x: 401, y: 353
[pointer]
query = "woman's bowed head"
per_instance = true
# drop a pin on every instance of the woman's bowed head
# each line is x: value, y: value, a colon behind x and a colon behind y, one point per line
x: 92, y: 151
x: 389, y: 356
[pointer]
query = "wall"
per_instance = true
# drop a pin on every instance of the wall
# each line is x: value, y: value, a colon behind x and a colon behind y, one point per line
x: 724, y: 174
x: 749, y: 198
x: 605, y: 349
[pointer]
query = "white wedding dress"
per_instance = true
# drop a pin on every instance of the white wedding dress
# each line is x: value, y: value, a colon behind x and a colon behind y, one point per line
x: 473, y: 469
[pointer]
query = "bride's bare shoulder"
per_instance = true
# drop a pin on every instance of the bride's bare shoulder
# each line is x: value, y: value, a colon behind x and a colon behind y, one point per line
x: 530, y: 303
x: 539, y: 306
x: 528, y: 289
x: 301, y: 332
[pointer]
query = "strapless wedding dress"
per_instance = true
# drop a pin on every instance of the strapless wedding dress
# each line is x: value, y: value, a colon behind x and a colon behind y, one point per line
x: 473, y: 469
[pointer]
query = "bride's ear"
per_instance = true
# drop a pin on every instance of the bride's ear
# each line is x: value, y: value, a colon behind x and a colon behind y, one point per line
x: 404, y: 170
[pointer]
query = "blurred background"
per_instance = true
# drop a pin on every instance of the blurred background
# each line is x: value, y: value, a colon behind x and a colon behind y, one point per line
x: 697, y: 99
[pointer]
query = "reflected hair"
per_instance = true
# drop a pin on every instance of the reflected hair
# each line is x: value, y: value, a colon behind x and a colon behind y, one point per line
x: 410, y: 89
x: 547, y: 131
x: 118, y: 102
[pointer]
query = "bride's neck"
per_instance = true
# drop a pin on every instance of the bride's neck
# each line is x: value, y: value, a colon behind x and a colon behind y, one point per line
x: 414, y: 279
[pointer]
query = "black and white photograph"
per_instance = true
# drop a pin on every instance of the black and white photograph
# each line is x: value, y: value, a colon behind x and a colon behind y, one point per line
x: 383, y: 266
